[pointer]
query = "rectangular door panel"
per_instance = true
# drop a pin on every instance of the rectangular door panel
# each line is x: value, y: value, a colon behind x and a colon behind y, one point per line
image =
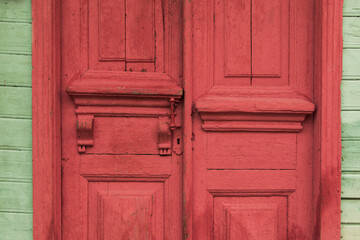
x: 247, y: 217
x: 126, y: 210
x: 251, y: 150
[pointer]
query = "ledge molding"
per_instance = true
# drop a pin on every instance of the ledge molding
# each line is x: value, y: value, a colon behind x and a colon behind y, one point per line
x: 253, y: 113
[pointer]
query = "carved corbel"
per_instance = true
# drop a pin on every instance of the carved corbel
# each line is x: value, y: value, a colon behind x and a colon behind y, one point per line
x: 164, y: 137
x: 85, y: 129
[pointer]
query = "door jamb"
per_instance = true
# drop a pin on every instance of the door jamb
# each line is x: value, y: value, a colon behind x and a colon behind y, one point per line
x: 327, y: 128
x: 47, y: 119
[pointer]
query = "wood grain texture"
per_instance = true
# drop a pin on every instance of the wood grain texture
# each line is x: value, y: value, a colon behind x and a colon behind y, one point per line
x: 351, y: 30
x: 15, y: 134
x: 350, y: 185
x: 15, y: 226
x: 350, y: 232
x: 350, y: 125
x: 350, y: 156
x: 15, y: 11
x: 16, y: 102
x: 15, y: 120
x: 18, y: 38
x: 328, y: 28
x: 46, y: 124
x: 351, y: 58
x: 350, y: 97
x: 350, y: 88
x: 350, y: 211
x: 15, y: 70
x: 16, y: 197
x: 351, y: 8
x: 15, y: 166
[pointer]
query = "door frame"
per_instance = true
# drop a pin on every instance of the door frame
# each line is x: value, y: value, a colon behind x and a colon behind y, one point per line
x: 46, y: 110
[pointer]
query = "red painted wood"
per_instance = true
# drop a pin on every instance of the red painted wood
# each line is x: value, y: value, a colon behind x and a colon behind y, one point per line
x: 327, y: 174
x: 187, y: 170
x: 121, y: 178
x: 248, y: 151
x: 46, y: 120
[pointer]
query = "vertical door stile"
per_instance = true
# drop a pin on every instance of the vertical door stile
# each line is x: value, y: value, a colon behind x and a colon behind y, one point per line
x: 187, y: 122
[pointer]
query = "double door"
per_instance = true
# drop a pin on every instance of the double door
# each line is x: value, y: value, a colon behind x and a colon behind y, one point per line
x: 130, y: 170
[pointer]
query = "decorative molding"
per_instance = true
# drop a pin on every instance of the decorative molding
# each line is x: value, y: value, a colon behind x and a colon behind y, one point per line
x: 85, y: 129
x: 164, y: 139
x: 255, y: 114
x: 109, y: 98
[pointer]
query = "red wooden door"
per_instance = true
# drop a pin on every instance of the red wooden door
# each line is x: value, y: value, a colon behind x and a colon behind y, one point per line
x: 250, y: 89
x: 253, y: 126
x: 121, y: 81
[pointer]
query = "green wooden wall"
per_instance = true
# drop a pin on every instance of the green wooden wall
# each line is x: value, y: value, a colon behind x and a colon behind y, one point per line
x: 350, y: 115
x: 15, y: 120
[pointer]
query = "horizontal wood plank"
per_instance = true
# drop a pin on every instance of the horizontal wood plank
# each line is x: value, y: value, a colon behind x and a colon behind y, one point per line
x: 18, y: 38
x: 350, y: 95
x: 351, y: 8
x: 15, y: 165
x: 125, y: 165
x: 15, y: 134
x: 15, y: 226
x: 350, y: 185
x: 350, y: 125
x: 350, y: 156
x: 15, y: 102
x: 351, y: 32
x: 15, y: 11
x: 351, y: 70
x: 350, y: 211
x: 350, y: 232
x: 245, y: 180
x: 15, y: 70
x: 16, y: 197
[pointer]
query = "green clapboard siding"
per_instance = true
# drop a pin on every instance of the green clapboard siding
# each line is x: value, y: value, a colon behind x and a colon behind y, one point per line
x: 350, y: 123
x: 15, y: 70
x: 15, y: 120
x: 18, y: 38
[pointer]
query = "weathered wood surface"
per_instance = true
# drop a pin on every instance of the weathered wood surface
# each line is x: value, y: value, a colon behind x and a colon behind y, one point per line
x: 15, y: 120
x: 16, y: 102
x: 351, y: 8
x: 18, y: 38
x: 351, y: 32
x: 351, y: 58
x: 350, y: 96
x: 15, y: 70
x: 350, y: 232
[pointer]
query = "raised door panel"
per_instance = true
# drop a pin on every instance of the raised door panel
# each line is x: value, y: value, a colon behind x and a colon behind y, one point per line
x: 251, y: 41
x: 126, y: 210
x: 246, y: 217
x: 125, y: 35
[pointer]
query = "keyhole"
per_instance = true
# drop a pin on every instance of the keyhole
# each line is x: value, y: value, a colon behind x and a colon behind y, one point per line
x: 178, y: 141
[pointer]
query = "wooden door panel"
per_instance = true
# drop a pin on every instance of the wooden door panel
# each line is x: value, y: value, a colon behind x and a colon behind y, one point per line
x: 251, y: 150
x: 123, y: 135
x: 248, y: 217
x: 121, y: 84
x: 125, y: 35
x: 253, y: 130
x: 239, y: 29
x: 125, y: 166
x: 126, y: 210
